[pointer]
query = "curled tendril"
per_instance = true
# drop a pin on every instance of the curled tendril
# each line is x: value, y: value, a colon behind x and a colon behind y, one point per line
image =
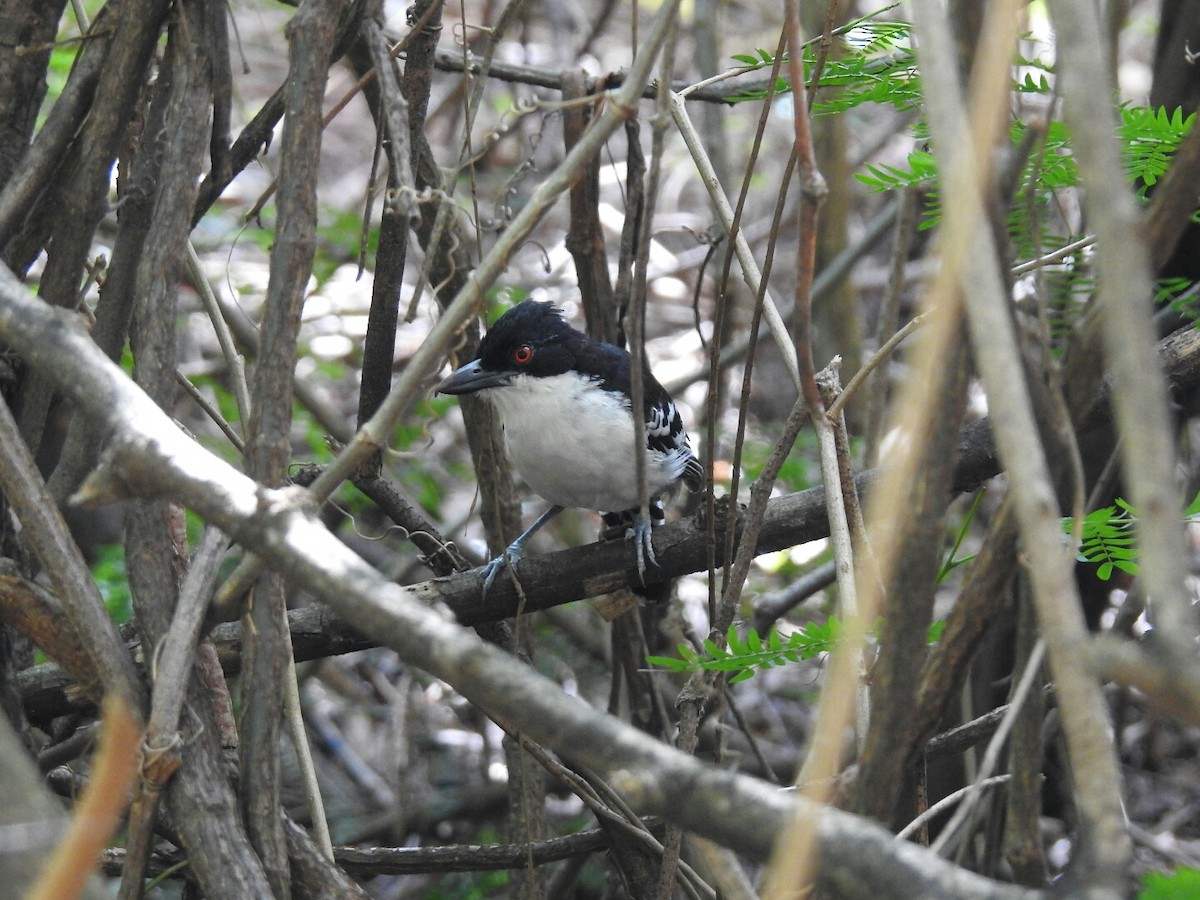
x: 447, y: 549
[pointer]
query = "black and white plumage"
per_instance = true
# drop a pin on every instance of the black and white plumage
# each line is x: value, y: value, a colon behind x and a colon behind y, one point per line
x: 565, y: 404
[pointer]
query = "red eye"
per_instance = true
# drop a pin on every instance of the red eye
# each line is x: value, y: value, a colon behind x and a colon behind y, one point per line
x: 523, y: 354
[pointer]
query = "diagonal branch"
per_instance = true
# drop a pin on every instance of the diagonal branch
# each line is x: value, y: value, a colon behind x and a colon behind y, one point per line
x: 148, y: 451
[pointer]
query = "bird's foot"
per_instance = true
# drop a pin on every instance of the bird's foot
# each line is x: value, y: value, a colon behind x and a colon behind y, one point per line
x: 643, y: 544
x: 510, y: 557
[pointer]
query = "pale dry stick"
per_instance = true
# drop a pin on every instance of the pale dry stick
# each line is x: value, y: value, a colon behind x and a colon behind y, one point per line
x: 750, y: 271
x: 949, y: 800
x: 170, y: 666
x: 234, y: 361
x: 991, y: 756
x: 855, y: 540
x: 913, y: 418
x: 724, y: 868
x: 410, y: 384
x: 876, y: 360
x: 1055, y: 255
x: 965, y: 152
x: 1124, y: 288
x: 81, y: 16
x: 294, y: 716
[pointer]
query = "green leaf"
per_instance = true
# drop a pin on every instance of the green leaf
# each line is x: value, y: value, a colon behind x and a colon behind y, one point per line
x: 754, y: 642
x: 1107, y: 539
x: 1182, y: 884
x: 746, y: 655
x: 1193, y: 508
x: 668, y: 662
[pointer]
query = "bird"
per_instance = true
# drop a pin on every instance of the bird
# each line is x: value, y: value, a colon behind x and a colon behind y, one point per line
x: 565, y: 406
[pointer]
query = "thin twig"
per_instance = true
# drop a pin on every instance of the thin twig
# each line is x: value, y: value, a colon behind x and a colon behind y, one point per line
x: 876, y: 359
x: 955, y: 828
x: 1055, y: 256
x: 235, y: 365
x: 750, y: 270
x: 929, y: 814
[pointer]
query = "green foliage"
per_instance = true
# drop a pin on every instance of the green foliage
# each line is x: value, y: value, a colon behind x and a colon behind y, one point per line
x: 62, y: 57
x: 500, y: 299
x: 423, y: 485
x: 953, y: 560
x: 754, y: 62
x: 1149, y: 138
x: 921, y: 172
x: 339, y: 238
x: 746, y: 656
x: 1180, y: 295
x: 936, y: 628
x: 1107, y: 539
x: 470, y: 886
x: 794, y: 474
x: 877, y: 66
x: 109, y: 572
x: 1182, y: 884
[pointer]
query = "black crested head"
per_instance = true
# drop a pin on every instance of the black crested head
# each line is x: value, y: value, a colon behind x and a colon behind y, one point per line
x: 532, y: 337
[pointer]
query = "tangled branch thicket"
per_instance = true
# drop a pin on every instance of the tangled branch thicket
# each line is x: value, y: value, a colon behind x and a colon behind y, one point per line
x: 932, y: 634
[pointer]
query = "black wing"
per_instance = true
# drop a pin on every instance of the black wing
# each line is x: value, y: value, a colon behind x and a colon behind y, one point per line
x: 664, y: 426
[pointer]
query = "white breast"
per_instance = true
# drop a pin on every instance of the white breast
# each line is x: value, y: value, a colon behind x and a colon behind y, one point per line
x: 573, y: 444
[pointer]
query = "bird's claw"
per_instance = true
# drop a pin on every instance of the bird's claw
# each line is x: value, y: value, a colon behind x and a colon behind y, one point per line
x: 643, y: 544
x: 509, y: 558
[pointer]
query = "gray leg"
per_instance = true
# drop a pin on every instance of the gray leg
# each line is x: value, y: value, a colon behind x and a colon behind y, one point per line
x: 643, y: 543
x: 512, y: 555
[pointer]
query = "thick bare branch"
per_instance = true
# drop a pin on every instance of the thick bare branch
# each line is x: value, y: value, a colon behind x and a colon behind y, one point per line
x: 149, y: 452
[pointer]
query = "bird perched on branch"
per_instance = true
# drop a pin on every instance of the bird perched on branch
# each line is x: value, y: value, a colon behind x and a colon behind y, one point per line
x: 566, y: 407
